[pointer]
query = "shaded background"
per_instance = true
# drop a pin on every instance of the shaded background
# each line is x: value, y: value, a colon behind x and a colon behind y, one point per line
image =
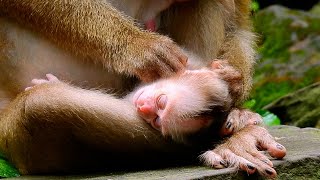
x: 286, y: 82
x: 295, y: 4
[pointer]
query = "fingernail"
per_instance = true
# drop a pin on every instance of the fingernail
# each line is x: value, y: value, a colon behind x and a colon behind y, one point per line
x: 250, y: 166
x: 269, y: 171
x: 228, y: 126
x: 279, y: 146
x: 223, y: 163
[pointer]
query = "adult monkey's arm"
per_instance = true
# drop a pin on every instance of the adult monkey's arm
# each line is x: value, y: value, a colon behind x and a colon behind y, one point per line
x: 60, y: 128
x: 94, y: 29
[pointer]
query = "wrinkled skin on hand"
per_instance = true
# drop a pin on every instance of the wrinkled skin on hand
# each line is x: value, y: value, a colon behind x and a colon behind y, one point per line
x: 243, y: 150
x: 238, y: 119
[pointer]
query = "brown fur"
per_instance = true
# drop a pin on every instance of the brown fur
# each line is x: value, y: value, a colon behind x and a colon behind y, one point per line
x: 231, y: 40
x: 53, y: 118
x: 71, y: 27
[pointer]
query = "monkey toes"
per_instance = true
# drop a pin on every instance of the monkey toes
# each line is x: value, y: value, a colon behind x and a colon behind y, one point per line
x: 242, y: 151
x: 238, y: 119
x: 50, y: 79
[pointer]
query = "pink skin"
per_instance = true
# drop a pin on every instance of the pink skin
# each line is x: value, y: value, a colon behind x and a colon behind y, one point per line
x: 169, y: 105
x: 150, y: 105
x: 157, y: 105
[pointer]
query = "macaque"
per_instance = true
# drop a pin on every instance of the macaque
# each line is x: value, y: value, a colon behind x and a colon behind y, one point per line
x: 245, y: 157
x: 181, y: 92
x: 175, y: 106
x: 181, y: 105
x: 186, y: 90
x: 92, y: 43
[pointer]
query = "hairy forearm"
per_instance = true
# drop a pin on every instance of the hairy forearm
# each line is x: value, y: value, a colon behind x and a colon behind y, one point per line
x: 239, y: 52
x: 89, y: 28
x: 92, y: 111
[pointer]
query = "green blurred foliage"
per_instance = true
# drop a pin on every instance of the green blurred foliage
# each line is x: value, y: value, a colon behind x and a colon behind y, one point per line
x: 7, y: 169
x: 289, y: 47
x: 268, y: 117
x: 254, y: 6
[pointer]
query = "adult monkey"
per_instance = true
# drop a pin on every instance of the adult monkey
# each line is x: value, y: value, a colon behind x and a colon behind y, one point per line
x: 94, y: 30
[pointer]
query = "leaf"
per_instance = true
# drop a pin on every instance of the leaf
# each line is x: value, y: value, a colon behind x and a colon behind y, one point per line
x: 249, y: 104
x: 269, y: 118
x: 7, y: 170
x: 255, y: 6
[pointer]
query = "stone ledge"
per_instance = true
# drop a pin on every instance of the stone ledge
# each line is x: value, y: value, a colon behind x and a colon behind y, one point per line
x: 302, y: 162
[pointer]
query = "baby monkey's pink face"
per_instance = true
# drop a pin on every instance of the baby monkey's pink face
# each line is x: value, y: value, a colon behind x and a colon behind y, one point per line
x: 174, y: 106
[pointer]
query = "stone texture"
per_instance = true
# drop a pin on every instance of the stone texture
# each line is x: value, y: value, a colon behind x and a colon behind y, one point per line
x: 300, y: 108
x: 302, y: 162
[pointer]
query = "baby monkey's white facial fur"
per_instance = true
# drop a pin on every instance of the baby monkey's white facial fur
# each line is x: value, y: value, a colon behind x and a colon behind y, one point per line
x: 174, y: 106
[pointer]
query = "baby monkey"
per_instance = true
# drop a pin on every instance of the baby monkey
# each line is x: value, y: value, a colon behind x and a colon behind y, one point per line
x: 186, y: 103
x: 176, y: 106
x: 179, y: 106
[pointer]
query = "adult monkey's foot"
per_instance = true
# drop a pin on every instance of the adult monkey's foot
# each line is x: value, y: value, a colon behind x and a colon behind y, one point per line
x: 241, y: 150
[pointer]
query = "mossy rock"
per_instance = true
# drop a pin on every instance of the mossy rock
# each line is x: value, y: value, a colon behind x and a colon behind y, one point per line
x: 289, y: 52
x: 300, y: 108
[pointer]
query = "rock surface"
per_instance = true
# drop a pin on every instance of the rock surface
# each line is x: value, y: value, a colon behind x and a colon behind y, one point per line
x: 300, y: 108
x: 302, y: 162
